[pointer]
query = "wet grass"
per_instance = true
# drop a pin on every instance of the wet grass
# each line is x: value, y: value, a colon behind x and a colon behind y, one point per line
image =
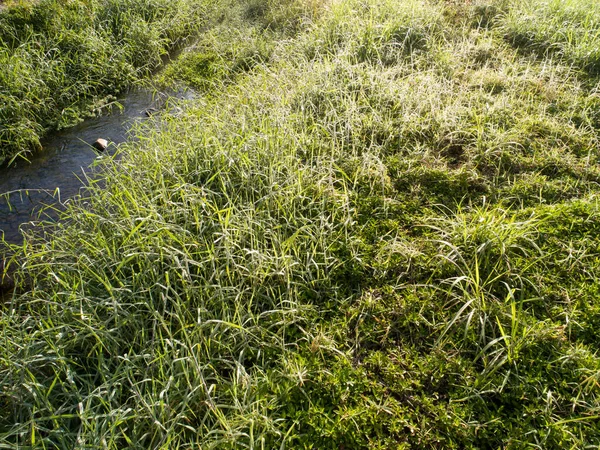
x: 382, y: 232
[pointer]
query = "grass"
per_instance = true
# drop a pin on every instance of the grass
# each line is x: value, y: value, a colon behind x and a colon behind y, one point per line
x: 61, y: 62
x: 376, y: 228
x: 567, y: 30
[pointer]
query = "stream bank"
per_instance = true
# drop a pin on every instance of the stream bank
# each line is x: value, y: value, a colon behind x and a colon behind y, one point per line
x: 37, y: 189
x: 60, y: 60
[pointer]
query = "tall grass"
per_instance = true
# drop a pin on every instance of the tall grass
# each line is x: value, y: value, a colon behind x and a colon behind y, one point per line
x: 565, y: 29
x: 363, y: 239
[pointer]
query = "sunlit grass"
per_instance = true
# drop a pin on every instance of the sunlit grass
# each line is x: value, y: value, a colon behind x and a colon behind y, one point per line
x: 376, y: 228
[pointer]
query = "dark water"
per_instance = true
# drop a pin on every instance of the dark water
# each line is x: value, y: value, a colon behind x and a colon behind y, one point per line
x: 31, y: 191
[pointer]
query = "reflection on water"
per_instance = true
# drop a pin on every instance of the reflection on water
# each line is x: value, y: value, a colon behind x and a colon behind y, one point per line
x: 57, y: 173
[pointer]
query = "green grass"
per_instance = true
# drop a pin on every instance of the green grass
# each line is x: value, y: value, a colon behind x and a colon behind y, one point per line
x: 378, y: 227
x: 60, y: 62
x: 568, y: 30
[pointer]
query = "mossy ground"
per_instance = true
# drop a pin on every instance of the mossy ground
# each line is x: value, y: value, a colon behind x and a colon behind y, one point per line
x: 377, y: 228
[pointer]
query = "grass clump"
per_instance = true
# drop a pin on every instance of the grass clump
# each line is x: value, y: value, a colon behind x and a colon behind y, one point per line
x: 57, y: 59
x: 345, y: 244
x: 563, y: 29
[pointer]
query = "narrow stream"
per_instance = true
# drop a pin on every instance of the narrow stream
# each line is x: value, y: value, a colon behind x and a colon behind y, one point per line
x: 56, y: 173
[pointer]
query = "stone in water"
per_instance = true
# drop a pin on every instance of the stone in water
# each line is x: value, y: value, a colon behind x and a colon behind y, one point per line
x: 100, y: 144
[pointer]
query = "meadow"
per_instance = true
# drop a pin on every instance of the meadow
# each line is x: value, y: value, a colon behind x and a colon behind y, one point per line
x: 377, y: 227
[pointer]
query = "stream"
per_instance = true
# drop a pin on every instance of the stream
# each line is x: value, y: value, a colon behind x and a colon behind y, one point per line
x: 34, y: 190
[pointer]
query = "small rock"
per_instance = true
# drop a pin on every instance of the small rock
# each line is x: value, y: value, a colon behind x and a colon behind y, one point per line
x: 100, y: 144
